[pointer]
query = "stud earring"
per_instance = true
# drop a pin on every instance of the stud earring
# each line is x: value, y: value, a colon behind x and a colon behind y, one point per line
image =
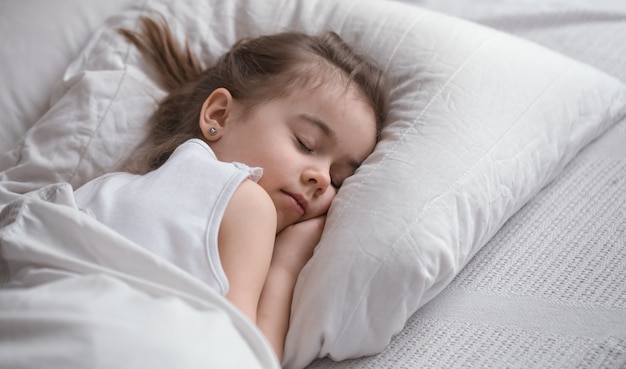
x: 212, y: 131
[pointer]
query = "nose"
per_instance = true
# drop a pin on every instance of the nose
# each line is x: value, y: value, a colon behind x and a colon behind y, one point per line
x: 319, y: 178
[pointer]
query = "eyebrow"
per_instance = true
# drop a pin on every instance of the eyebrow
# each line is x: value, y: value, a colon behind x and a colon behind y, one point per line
x: 329, y: 133
x: 321, y: 125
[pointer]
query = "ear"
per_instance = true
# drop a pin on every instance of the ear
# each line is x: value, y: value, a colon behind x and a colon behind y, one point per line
x: 215, y: 111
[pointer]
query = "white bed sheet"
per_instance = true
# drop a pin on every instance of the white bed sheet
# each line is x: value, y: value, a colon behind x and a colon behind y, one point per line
x: 76, y: 294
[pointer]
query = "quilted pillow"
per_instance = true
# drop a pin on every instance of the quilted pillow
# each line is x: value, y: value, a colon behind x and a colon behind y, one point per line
x: 480, y: 122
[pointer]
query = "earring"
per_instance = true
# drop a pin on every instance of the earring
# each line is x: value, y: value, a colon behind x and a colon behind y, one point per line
x: 212, y: 131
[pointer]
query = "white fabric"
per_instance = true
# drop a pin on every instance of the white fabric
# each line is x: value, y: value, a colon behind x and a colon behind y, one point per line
x: 174, y: 211
x: 76, y: 294
x: 38, y: 39
x: 592, y: 32
x: 480, y: 122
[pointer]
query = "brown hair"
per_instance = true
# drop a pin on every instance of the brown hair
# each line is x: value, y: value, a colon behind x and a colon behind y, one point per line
x: 253, y: 70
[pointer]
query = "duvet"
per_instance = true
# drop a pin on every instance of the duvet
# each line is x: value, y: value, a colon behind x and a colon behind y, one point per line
x: 77, y: 294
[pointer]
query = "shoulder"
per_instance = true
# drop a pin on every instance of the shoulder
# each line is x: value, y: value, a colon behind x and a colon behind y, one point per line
x: 197, y: 146
x: 251, y: 206
x: 104, y: 185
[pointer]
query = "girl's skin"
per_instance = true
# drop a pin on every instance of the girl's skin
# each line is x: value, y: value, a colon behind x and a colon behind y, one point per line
x: 307, y: 142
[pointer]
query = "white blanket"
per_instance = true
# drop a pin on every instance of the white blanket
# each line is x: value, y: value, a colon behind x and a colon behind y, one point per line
x: 78, y: 295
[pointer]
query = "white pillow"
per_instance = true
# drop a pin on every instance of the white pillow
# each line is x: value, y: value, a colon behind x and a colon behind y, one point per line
x: 480, y: 122
x: 37, y: 41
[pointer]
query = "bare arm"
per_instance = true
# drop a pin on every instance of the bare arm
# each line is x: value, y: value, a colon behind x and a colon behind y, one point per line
x: 293, y: 248
x: 246, y: 240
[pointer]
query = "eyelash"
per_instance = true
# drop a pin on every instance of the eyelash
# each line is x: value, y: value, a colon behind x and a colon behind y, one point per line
x: 304, y: 147
x: 308, y: 150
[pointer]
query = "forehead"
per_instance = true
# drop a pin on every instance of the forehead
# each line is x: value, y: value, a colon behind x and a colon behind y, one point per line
x: 341, y: 112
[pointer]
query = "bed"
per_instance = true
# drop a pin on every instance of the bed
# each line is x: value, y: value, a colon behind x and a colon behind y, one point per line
x: 488, y: 229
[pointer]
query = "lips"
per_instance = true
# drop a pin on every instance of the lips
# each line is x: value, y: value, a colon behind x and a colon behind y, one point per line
x: 298, y: 202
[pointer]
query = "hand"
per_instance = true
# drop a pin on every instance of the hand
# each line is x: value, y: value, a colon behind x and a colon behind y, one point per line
x: 295, y: 244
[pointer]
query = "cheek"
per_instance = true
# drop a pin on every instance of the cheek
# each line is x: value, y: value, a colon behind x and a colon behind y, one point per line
x: 272, y: 173
x: 266, y: 183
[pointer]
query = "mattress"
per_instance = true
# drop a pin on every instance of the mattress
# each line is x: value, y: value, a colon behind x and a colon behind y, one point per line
x: 549, y: 290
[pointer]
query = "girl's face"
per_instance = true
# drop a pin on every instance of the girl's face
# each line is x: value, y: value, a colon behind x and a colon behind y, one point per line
x: 307, y: 143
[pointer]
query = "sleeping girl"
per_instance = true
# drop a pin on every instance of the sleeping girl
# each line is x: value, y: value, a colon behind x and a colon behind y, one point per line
x: 243, y: 161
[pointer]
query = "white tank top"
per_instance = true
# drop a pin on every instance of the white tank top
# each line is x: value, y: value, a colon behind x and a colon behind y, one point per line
x: 174, y: 211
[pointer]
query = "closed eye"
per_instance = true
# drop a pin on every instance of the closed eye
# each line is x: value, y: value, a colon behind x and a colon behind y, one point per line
x: 304, y: 147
